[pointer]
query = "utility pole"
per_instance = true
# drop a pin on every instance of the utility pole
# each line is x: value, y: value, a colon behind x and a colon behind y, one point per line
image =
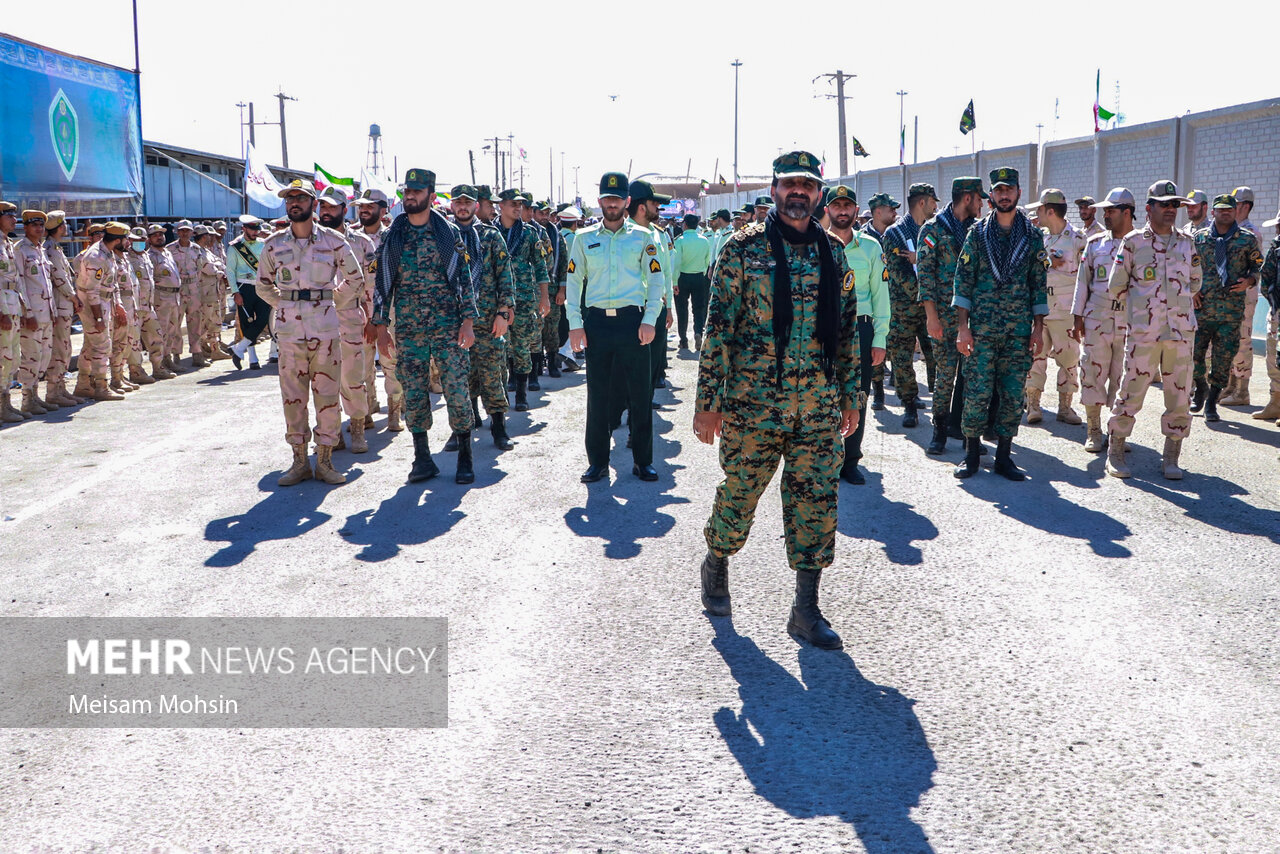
x: 915, y: 153
x: 839, y: 76
x: 1039, y: 128
x: 241, y: 105
x: 562, y: 177
x: 575, y: 183
x: 551, y: 171
x: 252, y: 140
x: 284, y: 142
x: 902, y: 129
x: 471, y: 155
x: 736, y: 65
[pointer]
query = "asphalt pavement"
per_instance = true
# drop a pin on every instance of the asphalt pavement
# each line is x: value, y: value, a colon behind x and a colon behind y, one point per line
x: 1070, y: 664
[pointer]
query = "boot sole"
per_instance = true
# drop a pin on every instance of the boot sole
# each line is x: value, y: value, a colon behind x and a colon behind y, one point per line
x: 420, y: 478
x: 725, y: 610
x: 795, y: 632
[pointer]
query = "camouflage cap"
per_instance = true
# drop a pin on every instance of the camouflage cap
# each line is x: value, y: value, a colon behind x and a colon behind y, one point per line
x: 723, y: 214
x: 511, y: 194
x: 33, y: 217
x: 297, y: 185
x: 370, y: 196
x: 220, y: 226
x: 842, y: 191
x: 180, y: 225
x: 419, y: 179
x: 763, y: 202
x: 968, y: 184
x: 642, y: 191
x: 1118, y: 197
x: 1224, y: 202
x: 201, y: 230
x: 55, y: 219
x: 484, y: 193
x: 1005, y: 175
x: 922, y: 189
x: 155, y: 228
x: 7, y: 207
x: 614, y: 184
x: 1049, y: 196
x: 1164, y: 191
x: 333, y: 195
x: 881, y: 200
x: 1086, y: 201
x: 797, y: 164
x: 1242, y: 194
x: 115, y: 229
x: 136, y: 233
x: 464, y: 191
x: 1197, y: 197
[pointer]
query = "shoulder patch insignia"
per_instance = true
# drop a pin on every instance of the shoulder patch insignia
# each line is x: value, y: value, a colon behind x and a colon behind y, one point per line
x: 654, y: 266
x: 572, y: 266
x: 1257, y: 257
x: 651, y: 250
x: 964, y: 257
x: 543, y: 250
x: 1195, y: 259
x: 1149, y: 274
x: 1043, y: 258
x: 848, y: 281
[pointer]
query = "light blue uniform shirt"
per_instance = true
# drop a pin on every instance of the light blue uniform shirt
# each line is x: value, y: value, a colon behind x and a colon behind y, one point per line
x: 618, y: 269
x: 692, y: 253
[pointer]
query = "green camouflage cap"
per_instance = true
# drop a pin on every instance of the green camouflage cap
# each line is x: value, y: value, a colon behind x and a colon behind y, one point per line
x: 484, y: 193
x: 642, y: 191
x: 528, y: 197
x: 797, y: 164
x: 922, y: 190
x: 1224, y: 202
x: 968, y: 185
x: 881, y: 200
x: 763, y: 202
x: 1005, y: 175
x: 614, y: 184
x: 464, y: 191
x: 419, y: 179
x: 510, y: 195
x: 841, y: 191
x: 747, y: 210
x: 1086, y: 201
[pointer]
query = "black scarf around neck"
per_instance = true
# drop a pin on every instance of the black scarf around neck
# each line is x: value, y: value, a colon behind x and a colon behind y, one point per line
x: 827, y: 329
x: 1220, y: 242
x: 1005, y: 254
x: 954, y: 225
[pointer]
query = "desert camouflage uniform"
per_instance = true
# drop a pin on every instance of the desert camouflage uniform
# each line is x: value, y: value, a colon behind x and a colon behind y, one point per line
x: 168, y: 300
x: 496, y: 293
x: 795, y: 418
x: 1157, y: 279
x: 146, y: 326
x: 64, y: 307
x: 36, y: 345
x: 936, y: 260
x: 209, y: 276
x: 97, y: 284
x: 1060, y: 285
x: 351, y: 321
x: 1242, y: 363
x: 1104, y: 322
x: 1221, y: 312
x: 1001, y: 317
x: 12, y: 303
x: 187, y: 260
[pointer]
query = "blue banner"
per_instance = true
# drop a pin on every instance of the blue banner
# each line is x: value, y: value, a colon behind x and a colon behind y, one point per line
x: 69, y: 133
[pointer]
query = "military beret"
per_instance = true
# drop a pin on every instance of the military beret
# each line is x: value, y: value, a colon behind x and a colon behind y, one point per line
x: 1242, y: 194
x: 922, y: 190
x: 7, y: 207
x: 1049, y: 196
x: 115, y: 229
x: 511, y: 195
x: 333, y: 195
x: 797, y: 164
x: 1164, y: 191
x: 464, y: 191
x: 968, y: 185
x: 1005, y: 175
x: 882, y: 200
x: 642, y: 191
x: 763, y: 202
x: 33, y: 217
x: 97, y: 227
x: 297, y: 185
x: 614, y: 184
x: 420, y: 179
x: 155, y: 228
x: 1224, y: 202
x: 136, y: 233
x: 842, y: 191
x: 55, y: 219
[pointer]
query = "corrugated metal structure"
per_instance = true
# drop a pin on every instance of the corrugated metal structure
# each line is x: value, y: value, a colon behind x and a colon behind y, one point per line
x: 183, y: 183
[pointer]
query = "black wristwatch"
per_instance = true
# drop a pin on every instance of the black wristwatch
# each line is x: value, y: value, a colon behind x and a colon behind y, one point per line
x: 505, y: 314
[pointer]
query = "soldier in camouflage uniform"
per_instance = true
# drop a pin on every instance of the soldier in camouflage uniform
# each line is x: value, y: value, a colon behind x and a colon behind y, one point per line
x: 1001, y: 303
x: 1229, y: 261
x: 65, y: 306
x: 907, y: 320
x: 1065, y: 245
x: 1157, y: 275
x: 101, y: 309
x: 209, y: 275
x: 424, y: 276
x: 168, y: 297
x: 1100, y: 320
x: 146, y: 328
x: 495, y: 303
x: 370, y: 206
x: 536, y: 358
x: 778, y: 379
x: 187, y: 258
x: 1269, y: 285
x: 36, y: 338
x: 529, y: 273
x: 296, y: 274
x: 557, y: 269
x: 936, y: 257
x: 12, y: 303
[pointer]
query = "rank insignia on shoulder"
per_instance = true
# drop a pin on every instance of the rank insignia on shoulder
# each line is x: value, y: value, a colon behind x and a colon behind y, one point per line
x: 543, y: 250
x: 848, y: 281
x: 964, y: 257
x: 1043, y: 258
x: 654, y: 266
x: 572, y: 266
x: 884, y: 274
x: 651, y: 250
x: 1257, y: 257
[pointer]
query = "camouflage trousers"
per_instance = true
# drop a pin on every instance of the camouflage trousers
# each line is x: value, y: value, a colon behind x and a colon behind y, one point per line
x: 752, y: 443
x: 351, y: 353
x: 947, y: 358
x: 1103, y: 364
x: 10, y: 351
x: 1142, y: 361
x: 1218, y: 329
x: 551, y: 328
x: 1063, y: 349
x: 146, y: 336
x: 95, y: 350
x: 416, y: 350
x: 391, y: 385
x: 60, y: 354
x: 307, y: 338
x: 169, y: 314
x: 524, y: 337
x: 1242, y: 361
x: 36, y: 346
x: 122, y: 339
x: 190, y: 304
x: 999, y: 366
x: 906, y: 326
x: 211, y: 309
x: 488, y: 369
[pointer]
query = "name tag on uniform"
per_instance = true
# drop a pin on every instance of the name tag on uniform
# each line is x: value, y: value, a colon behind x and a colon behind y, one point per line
x: 593, y: 245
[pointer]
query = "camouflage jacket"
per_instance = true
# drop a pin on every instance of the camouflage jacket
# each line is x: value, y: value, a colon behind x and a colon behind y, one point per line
x: 528, y: 266
x: 366, y: 253
x: 35, y: 278
x: 1092, y: 299
x: 145, y: 273
x: 1243, y: 261
x: 1269, y: 276
x: 936, y: 259
x: 166, y: 270
x: 903, y: 286
x: 12, y: 300
x: 64, y: 281
x: 497, y: 288
x: 738, y: 364
x: 1060, y: 284
x: 1158, y: 278
x: 996, y: 309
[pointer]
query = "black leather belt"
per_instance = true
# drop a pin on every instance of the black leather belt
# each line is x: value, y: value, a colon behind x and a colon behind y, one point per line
x: 306, y: 295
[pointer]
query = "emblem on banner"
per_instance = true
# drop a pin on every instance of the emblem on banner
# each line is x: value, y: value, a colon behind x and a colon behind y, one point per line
x: 64, y: 130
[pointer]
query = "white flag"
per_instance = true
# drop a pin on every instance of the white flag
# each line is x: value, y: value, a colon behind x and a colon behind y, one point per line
x: 260, y: 185
x: 371, y: 181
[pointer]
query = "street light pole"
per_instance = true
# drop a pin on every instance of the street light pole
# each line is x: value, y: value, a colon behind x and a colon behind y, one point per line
x: 736, y: 65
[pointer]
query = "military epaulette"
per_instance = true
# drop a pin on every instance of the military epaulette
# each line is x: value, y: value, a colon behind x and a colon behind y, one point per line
x: 835, y: 238
x: 748, y: 232
x: 1101, y: 235
x: 324, y: 229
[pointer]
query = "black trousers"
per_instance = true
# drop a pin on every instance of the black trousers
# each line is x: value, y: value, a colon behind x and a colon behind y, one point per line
x: 695, y: 287
x: 658, y: 351
x: 618, y: 362
x: 254, y: 314
x: 853, y: 444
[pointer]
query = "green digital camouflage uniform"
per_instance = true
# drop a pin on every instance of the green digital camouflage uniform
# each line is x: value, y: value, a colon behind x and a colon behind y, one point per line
x: 551, y: 323
x: 936, y: 260
x: 907, y: 318
x: 495, y: 293
x: 798, y: 422
x: 1000, y: 318
x: 528, y: 269
x: 1220, y: 313
x: 428, y: 316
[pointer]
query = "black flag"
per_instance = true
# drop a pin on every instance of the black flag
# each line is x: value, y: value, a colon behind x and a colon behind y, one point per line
x: 967, y: 121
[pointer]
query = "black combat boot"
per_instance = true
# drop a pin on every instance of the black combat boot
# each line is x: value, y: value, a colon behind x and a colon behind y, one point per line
x: 498, y: 427
x: 939, y: 444
x: 715, y: 585
x: 910, y: 417
x: 424, y: 468
x: 465, y: 473
x: 553, y: 369
x: 1197, y: 399
x: 522, y: 399
x: 511, y: 375
x: 1211, y: 404
x: 877, y: 394
x: 533, y: 384
x: 807, y: 622
x: 972, y: 455
x: 452, y: 445
x: 475, y: 411
x: 1004, y: 464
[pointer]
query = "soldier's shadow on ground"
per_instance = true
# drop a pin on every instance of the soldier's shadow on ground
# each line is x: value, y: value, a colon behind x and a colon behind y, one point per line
x: 623, y: 510
x: 285, y: 513
x: 1205, y: 498
x: 830, y: 743
x: 865, y: 514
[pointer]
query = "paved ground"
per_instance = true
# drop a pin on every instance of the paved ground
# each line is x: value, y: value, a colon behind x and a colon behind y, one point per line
x: 1071, y: 664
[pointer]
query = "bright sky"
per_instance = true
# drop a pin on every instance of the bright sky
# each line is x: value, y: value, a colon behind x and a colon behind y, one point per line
x: 552, y: 67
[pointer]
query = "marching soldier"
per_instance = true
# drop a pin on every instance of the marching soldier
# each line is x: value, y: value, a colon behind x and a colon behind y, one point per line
x: 1065, y: 245
x: 1269, y: 285
x: 1237, y: 391
x: 1087, y: 207
x: 252, y: 312
x: 884, y: 213
x: 169, y: 301
x: 778, y: 379
x: 691, y: 259
x: 296, y: 276
x: 532, y: 285
x: 371, y: 205
x: 907, y: 325
x: 1197, y: 208
x: 1001, y: 303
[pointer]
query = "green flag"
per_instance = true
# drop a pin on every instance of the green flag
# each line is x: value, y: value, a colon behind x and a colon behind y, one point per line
x: 858, y: 150
x: 967, y: 121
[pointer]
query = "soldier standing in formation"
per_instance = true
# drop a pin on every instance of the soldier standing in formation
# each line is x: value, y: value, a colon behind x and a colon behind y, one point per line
x: 97, y: 286
x: 12, y: 303
x: 1064, y: 245
x: 169, y: 299
x: 1000, y: 302
x: 1156, y: 277
x: 1197, y: 208
x: 146, y: 325
x: 65, y: 305
x: 36, y: 338
x: 907, y: 326
x: 1237, y: 390
x: 1269, y: 285
x: 187, y: 257
x: 371, y: 205
x: 1087, y: 208
x: 778, y: 379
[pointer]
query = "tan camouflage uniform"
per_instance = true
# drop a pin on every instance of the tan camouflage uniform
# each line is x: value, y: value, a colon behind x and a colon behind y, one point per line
x: 168, y: 300
x: 188, y: 260
x: 1058, y: 345
x: 1104, y: 322
x: 351, y: 321
x: 34, y: 277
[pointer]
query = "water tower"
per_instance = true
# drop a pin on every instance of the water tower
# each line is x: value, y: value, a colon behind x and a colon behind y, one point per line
x: 375, y: 159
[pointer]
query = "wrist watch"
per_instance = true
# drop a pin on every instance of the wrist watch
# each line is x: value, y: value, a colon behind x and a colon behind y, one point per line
x: 505, y: 314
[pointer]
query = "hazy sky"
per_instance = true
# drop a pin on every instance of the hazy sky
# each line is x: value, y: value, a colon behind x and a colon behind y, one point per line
x: 440, y: 76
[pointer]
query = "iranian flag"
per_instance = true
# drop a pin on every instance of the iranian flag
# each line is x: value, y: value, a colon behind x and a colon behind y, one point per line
x: 324, y: 179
